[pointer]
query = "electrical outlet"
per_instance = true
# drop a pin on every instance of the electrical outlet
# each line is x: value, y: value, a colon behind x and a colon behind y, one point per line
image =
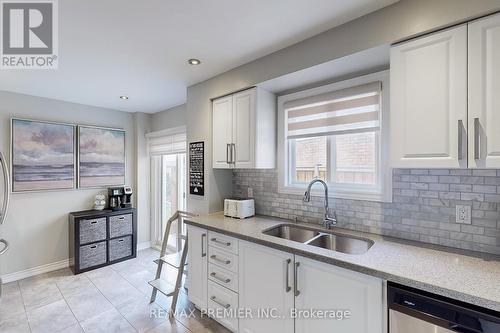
x: 463, y: 214
x: 250, y: 192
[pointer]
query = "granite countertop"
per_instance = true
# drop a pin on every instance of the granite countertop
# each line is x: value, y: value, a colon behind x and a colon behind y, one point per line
x: 471, y: 279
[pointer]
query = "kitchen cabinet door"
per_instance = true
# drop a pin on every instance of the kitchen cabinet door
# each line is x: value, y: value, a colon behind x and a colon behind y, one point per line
x: 429, y: 101
x: 222, y: 121
x: 326, y: 287
x: 198, y: 266
x: 484, y: 96
x: 263, y: 285
x: 244, y: 129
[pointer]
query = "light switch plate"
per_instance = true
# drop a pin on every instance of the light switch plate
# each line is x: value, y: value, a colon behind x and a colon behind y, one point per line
x: 250, y: 192
x: 464, y: 214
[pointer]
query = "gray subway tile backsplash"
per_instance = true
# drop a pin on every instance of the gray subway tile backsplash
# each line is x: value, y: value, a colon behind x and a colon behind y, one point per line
x: 423, y: 207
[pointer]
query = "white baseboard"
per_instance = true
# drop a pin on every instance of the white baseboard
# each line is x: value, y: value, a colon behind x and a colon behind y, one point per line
x: 143, y: 245
x: 11, y: 277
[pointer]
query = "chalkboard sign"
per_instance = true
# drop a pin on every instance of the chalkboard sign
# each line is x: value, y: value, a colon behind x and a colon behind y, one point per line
x: 197, y: 168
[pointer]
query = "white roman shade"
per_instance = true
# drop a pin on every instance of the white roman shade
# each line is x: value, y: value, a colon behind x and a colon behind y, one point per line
x: 164, y: 143
x: 350, y: 110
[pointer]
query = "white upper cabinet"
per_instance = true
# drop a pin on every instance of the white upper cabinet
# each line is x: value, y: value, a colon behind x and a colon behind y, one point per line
x: 244, y: 130
x: 484, y: 93
x: 429, y: 101
x: 223, y: 132
x: 324, y: 286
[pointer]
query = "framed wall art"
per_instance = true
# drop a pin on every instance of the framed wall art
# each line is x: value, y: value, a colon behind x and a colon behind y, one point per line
x: 42, y: 155
x: 197, y: 168
x: 101, y: 157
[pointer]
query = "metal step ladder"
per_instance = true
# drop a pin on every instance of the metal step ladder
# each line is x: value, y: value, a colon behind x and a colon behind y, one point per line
x: 176, y: 260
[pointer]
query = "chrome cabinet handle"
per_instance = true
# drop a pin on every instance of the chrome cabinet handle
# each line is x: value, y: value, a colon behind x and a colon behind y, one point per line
x: 228, y: 146
x: 296, y: 280
x: 214, y: 275
x: 225, y: 306
x: 215, y: 240
x: 233, y: 156
x: 460, y: 139
x: 477, y: 147
x: 6, y: 196
x: 287, y: 277
x: 225, y: 262
x: 203, y: 252
x: 5, y: 246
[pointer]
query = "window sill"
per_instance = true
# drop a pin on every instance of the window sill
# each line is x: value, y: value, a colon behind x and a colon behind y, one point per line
x: 339, y: 194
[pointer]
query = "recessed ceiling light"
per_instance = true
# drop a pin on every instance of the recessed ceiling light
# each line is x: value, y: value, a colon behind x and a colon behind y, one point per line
x: 124, y: 97
x: 194, y: 61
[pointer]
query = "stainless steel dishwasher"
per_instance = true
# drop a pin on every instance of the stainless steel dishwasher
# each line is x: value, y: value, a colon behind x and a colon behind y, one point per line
x: 415, y: 311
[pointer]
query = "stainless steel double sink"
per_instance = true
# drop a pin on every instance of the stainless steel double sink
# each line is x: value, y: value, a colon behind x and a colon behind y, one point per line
x: 319, y: 238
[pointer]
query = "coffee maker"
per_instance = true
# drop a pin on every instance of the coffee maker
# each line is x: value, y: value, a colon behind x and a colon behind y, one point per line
x: 120, y: 197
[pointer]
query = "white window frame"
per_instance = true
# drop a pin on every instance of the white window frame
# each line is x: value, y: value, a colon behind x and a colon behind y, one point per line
x: 348, y: 191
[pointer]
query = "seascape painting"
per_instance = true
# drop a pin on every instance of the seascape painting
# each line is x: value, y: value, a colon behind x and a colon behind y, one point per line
x: 43, y: 156
x: 101, y: 157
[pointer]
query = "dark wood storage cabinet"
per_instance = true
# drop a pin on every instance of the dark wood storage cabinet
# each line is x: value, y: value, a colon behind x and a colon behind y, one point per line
x: 101, y: 238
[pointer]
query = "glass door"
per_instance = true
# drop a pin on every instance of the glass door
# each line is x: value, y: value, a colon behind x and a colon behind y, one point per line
x: 168, y: 195
x: 173, y: 196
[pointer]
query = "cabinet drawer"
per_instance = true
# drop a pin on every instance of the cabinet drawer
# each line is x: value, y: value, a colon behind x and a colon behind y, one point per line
x: 223, y: 242
x: 223, y: 259
x: 120, y: 248
x: 92, y: 255
x: 92, y: 230
x: 223, y: 302
x: 120, y: 225
x: 223, y: 277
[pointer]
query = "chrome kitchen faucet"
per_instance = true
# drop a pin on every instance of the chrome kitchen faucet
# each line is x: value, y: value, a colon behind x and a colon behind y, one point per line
x: 330, y: 218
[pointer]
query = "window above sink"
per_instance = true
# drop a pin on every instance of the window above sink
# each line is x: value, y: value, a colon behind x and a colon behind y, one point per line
x: 337, y: 133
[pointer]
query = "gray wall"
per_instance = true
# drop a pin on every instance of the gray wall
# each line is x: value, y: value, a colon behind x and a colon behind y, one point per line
x: 402, y: 20
x: 37, y: 224
x: 423, y: 207
x: 172, y: 117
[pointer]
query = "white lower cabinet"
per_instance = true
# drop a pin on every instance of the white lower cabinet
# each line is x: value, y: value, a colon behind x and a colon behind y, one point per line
x: 223, y: 305
x: 256, y: 289
x: 339, y: 292
x: 295, y: 287
x: 198, y: 266
x: 263, y: 285
x: 222, y: 278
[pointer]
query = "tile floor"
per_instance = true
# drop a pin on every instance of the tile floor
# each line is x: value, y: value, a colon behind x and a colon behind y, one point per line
x: 109, y: 299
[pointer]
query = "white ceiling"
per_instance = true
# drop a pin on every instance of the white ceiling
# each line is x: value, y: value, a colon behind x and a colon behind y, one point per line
x: 140, y: 48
